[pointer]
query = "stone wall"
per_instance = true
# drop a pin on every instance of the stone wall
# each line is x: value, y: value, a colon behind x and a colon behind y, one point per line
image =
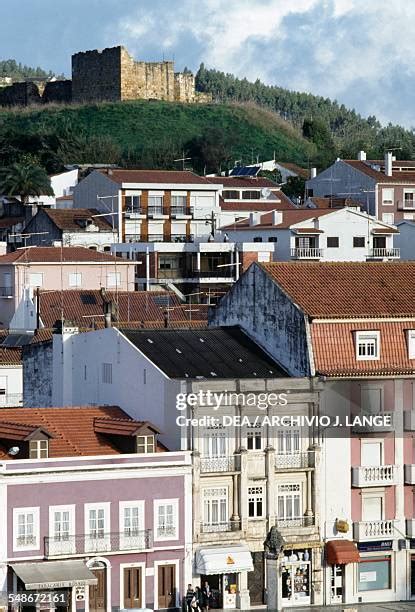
x: 20, y: 94
x: 57, y: 91
x: 96, y: 75
x: 37, y: 375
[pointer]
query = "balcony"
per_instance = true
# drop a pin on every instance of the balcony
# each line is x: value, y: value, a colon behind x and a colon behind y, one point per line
x: 220, y: 464
x: 220, y: 527
x: 219, y: 273
x: 179, y: 210
x: 155, y: 211
x: 306, y: 253
x: 298, y: 522
x: 155, y: 238
x: 409, y: 474
x: 374, y: 475
x: 182, y: 238
x: 410, y: 528
x: 6, y: 292
x: 384, y: 254
x: 294, y: 461
x: 106, y: 542
x: 409, y: 420
x: 376, y: 427
x: 374, y: 530
x: 11, y: 400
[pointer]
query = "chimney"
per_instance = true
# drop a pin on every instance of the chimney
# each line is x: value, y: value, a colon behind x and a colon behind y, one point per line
x: 361, y: 156
x: 62, y: 364
x: 388, y: 163
x: 254, y: 218
x: 313, y: 172
x: 276, y: 217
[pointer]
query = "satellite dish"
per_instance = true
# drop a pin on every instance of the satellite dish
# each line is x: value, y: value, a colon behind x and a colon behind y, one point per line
x: 265, y: 192
x: 14, y: 450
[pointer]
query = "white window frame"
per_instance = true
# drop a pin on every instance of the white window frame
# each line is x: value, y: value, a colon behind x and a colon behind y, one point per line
x: 39, y: 449
x: 39, y: 275
x: 255, y: 433
x: 129, y: 539
x: 147, y: 444
x: 217, y: 494
x: 35, y: 511
x: 75, y: 279
x: 371, y: 494
x: 158, y: 503
x: 360, y: 337
x: 388, y: 196
x: 367, y: 441
x: 411, y: 191
x: 256, y: 494
x: 367, y: 389
x: 113, y: 279
x: 215, y: 442
x: 105, y: 541
x: 284, y: 492
x: 411, y: 343
x: 67, y: 546
x: 293, y: 435
x: 390, y: 218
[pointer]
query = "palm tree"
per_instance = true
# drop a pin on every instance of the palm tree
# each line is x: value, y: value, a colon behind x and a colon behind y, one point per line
x: 25, y: 180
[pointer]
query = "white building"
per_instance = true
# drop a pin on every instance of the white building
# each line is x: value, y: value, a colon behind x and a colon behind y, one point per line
x: 344, y: 234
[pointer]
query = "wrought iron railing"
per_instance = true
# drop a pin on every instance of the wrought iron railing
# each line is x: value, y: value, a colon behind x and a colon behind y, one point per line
x: 294, y: 460
x: 220, y: 464
x: 298, y: 521
x: 106, y: 542
x: 220, y: 526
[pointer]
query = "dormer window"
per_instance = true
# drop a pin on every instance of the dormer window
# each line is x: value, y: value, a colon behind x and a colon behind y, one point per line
x: 411, y: 343
x: 146, y: 444
x: 38, y: 449
x: 367, y: 345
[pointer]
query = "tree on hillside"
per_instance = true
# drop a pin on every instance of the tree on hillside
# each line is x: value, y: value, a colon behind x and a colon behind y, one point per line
x: 212, y: 151
x: 294, y: 187
x: 318, y: 132
x: 25, y: 180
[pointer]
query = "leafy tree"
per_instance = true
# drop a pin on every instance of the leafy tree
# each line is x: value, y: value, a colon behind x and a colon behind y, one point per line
x: 213, y: 150
x: 25, y: 180
x: 294, y: 187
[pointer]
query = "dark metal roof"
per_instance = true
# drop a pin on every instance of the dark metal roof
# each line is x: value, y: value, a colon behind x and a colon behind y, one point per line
x: 221, y: 352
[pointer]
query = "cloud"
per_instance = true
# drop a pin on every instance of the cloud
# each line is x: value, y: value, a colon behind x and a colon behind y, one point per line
x: 356, y: 51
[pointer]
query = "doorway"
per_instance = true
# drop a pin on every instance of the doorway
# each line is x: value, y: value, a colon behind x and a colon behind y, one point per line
x: 336, y: 583
x: 133, y: 587
x: 256, y: 579
x: 98, y: 592
x: 166, y: 586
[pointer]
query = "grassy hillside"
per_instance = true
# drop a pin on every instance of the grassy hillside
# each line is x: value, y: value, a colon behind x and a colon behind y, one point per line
x: 136, y: 130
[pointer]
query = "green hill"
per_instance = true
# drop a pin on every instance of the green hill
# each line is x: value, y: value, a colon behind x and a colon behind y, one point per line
x: 150, y: 133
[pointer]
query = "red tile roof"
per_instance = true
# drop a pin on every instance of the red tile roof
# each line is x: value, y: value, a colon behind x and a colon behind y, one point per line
x: 334, y: 202
x: 334, y: 349
x: 85, y: 308
x: 67, y: 219
x: 238, y: 182
x: 57, y: 254
x: 72, y: 428
x: 348, y: 290
x: 282, y: 203
x: 398, y: 176
x: 289, y: 217
x: 155, y: 176
x: 303, y: 172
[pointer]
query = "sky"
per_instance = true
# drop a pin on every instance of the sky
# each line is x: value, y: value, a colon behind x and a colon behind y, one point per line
x: 359, y: 52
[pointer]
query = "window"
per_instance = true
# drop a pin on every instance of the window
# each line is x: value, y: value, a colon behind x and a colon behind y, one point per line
x: 97, y: 523
x: 367, y: 345
x: 289, y: 506
x: 97, y: 527
x: 254, y: 438
x: 168, y: 263
x: 387, y: 197
x: 374, y: 573
x: 113, y: 279
x: 371, y: 400
x: 251, y: 195
x: 38, y: 449
x: 388, y: 218
x: 75, y: 279
x: 358, y: 242
x: 255, y: 502
x: 215, y: 442
x: 61, y: 522
x: 25, y: 528
x: 131, y: 515
x: 257, y: 238
x: 107, y: 373
x: 332, y: 242
x: 409, y: 198
x: 145, y: 444
x: 272, y: 239
x: 155, y: 204
x: 166, y: 519
x: 288, y: 441
x: 371, y: 453
x: 215, y: 507
x: 178, y: 204
x: 231, y: 195
x: 411, y: 343
x: 133, y: 203
x: 36, y: 279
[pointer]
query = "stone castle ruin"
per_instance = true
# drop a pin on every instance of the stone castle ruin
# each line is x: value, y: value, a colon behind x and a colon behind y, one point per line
x: 109, y: 75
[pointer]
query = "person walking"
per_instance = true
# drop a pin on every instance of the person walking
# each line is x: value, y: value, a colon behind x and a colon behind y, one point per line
x: 190, y: 594
x: 206, y: 596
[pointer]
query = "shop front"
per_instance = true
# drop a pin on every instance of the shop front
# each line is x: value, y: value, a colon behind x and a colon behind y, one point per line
x: 53, y: 586
x: 339, y: 553
x: 296, y: 577
x: 225, y: 569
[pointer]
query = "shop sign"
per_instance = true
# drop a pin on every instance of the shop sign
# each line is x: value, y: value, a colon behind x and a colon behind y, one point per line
x: 374, y: 546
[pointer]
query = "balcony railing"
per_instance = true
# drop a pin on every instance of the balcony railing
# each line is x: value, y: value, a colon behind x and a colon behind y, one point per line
x: 11, y: 399
x: 220, y: 464
x: 306, y: 253
x: 220, y: 526
x: 219, y: 273
x: 182, y: 238
x: 374, y: 530
x: 385, y: 253
x: 106, y: 542
x: 155, y: 238
x: 294, y: 460
x: 301, y: 521
x: 155, y: 210
x: 374, y: 475
x: 179, y: 210
x: 6, y: 292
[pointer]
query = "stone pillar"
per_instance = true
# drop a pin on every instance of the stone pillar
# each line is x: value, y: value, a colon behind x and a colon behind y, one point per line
x: 197, y: 519
x: 198, y: 261
x: 274, y: 596
x: 235, y: 506
x: 270, y: 487
x: 309, y: 507
x: 242, y: 598
x: 243, y: 489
